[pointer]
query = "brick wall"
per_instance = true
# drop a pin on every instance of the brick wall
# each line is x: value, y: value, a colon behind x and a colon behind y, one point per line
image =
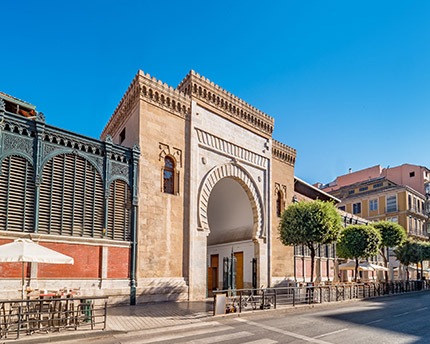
x: 88, y: 262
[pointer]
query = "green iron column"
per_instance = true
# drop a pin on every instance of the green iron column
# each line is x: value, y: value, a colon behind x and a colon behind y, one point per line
x: 106, y: 177
x: 37, y: 162
x: 134, y: 188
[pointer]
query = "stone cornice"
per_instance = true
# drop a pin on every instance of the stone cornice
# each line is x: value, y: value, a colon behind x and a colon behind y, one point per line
x: 123, y: 110
x: 283, y: 152
x: 153, y: 91
x: 200, y: 88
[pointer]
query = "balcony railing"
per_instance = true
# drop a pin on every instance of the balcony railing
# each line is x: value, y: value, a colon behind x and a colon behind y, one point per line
x: 417, y: 210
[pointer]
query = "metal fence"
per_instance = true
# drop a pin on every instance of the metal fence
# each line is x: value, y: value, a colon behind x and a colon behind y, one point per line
x: 251, y: 299
x: 45, y: 315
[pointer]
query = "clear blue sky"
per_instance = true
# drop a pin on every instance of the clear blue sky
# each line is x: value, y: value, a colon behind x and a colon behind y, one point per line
x: 348, y: 82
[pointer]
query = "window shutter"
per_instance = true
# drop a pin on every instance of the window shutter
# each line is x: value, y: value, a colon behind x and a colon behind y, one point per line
x: 71, y: 198
x: 17, y: 195
x: 176, y: 185
x: 119, y: 205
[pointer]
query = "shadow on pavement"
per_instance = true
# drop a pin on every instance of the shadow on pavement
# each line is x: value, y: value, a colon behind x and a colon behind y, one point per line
x: 402, y: 314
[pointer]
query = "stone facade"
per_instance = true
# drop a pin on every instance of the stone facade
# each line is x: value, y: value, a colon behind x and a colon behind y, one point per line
x: 211, y: 136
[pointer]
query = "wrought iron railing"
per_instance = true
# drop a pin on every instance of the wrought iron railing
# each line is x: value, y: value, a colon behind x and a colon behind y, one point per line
x: 45, y: 315
x: 252, y: 299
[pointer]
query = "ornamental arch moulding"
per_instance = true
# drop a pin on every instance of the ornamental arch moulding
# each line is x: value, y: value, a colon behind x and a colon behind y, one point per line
x: 119, y: 172
x: 8, y: 154
x: 95, y: 164
x: 238, y: 173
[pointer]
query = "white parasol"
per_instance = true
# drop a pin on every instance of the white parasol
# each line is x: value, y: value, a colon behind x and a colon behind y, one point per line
x: 27, y: 251
x: 351, y: 266
x: 378, y: 267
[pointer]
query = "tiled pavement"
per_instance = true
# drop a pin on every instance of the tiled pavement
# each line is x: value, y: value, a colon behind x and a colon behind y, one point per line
x: 162, y: 314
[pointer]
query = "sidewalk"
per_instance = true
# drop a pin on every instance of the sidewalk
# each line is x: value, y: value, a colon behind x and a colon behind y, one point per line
x: 122, y: 319
x: 161, y: 314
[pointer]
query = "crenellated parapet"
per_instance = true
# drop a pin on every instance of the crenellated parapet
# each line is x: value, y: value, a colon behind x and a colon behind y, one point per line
x: 150, y: 90
x: 201, y: 88
x: 164, y: 96
x: 283, y: 152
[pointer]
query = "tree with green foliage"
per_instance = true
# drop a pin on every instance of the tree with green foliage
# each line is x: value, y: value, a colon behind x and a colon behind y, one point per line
x: 422, y: 254
x: 358, y: 241
x: 392, y: 235
x: 426, y: 250
x: 310, y: 224
x: 410, y: 252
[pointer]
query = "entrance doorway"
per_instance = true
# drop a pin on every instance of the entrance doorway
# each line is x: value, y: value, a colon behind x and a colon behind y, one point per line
x: 231, y: 223
x: 239, y: 269
x: 213, y: 274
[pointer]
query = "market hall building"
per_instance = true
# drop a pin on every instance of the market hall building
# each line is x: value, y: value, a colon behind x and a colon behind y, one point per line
x: 157, y: 222
x: 70, y: 193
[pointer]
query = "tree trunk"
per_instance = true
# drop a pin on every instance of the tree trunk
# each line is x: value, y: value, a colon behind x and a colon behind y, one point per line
x: 356, y: 269
x: 407, y: 273
x: 311, y: 247
x: 422, y: 270
x: 384, y: 256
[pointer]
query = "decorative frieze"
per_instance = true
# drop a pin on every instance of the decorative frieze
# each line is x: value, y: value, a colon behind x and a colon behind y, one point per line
x: 230, y: 149
x: 283, y: 152
x: 201, y: 88
x: 18, y: 143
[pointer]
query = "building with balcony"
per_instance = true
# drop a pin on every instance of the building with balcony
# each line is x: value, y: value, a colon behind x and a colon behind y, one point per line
x: 326, y: 258
x: 382, y: 199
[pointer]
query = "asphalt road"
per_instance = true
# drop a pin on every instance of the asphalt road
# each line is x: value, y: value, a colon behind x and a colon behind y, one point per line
x: 398, y: 319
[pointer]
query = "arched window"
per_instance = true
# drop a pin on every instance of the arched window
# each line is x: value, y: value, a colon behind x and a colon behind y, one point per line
x: 279, y: 205
x: 169, y: 175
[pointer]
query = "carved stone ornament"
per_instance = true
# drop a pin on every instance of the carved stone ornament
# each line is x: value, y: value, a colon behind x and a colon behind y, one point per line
x: 282, y: 188
x: 172, y: 151
x: 177, y: 154
x: 2, y: 105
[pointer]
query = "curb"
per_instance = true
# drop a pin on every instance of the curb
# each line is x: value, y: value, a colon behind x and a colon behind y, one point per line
x: 58, y: 337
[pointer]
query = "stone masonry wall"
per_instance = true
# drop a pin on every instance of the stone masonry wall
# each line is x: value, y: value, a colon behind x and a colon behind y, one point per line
x: 282, y: 256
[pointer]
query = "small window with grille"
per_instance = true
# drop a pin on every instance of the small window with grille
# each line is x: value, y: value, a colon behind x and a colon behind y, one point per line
x: 279, y: 204
x: 169, y: 175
